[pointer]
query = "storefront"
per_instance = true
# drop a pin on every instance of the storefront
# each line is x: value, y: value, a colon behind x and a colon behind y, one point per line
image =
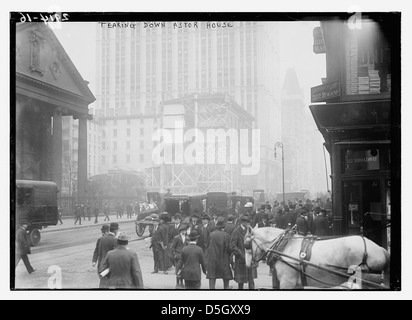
x: 357, y: 123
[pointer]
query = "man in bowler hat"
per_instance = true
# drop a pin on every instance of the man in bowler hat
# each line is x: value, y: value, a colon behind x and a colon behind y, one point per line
x: 179, y: 242
x: 192, y: 259
x: 123, y: 265
x: 104, y: 245
x: 242, y: 273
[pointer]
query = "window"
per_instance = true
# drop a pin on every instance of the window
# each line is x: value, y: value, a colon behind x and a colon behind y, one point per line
x: 128, y: 122
x: 128, y: 131
x: 103, y: 159
x: 141, y: 145
x: 115, y: 145
x: 141, y: 158
x: 128, y: 144
x: 103, y: 145
x: 115, y: 122
x: 114, y: 132
x: 141, y: 131
x: 114, y: 159
x: 128, y: 158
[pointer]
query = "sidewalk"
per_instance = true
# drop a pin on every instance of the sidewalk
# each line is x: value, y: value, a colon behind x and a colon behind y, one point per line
x: 68, y: 223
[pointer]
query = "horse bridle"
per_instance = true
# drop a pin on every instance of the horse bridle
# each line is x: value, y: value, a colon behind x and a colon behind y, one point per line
x: 265, y: 252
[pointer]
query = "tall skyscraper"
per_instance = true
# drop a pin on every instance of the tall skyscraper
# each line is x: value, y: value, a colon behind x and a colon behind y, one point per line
x: 141, y: 66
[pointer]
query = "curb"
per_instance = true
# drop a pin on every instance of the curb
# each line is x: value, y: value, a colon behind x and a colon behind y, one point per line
x: 47, y: 230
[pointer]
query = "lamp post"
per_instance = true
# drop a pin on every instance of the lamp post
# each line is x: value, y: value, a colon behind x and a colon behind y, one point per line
x: 280, y: 145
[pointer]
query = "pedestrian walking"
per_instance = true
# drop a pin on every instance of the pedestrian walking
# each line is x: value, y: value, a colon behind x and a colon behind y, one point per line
x: 218, y: 256
x: 123, y: 267
x: 96, y: 213
x: 192, y: 263
x: 129, y: 210
x: 59, y: 214
x: 100, y: 251
x: 89, y: 211
x: 83, y: 211
x: 106, y: 211
x: 23, y: 247
x: 179, y: 242
x: 77, y: 214
x: 242, y: 274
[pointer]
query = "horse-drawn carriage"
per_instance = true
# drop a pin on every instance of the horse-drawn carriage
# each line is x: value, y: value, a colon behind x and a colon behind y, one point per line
x: 186, y: 204
x: 148, y: 211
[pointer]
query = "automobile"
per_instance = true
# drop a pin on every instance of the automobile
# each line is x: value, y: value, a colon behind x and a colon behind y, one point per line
x: 36, y: 206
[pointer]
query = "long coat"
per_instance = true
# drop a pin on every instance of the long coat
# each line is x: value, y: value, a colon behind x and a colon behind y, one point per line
x: 229, y: 228
x: 177, y: 246
x: 192, y: 259
x: 22, y: 242
x: 321, y: 226
x: 238, y: 249
x: 218, y: 256
x: 302, y: 226
x: 103, y: 246
x: 124, y: 269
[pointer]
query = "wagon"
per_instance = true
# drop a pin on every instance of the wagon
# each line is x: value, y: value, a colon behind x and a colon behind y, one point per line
x: 36, y: 206
x: 148, y: 211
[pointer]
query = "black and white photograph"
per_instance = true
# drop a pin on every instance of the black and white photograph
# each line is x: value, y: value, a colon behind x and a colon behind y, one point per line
x: 198, y: 151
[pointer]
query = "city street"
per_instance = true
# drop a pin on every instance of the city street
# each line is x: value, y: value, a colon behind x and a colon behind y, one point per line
x: 69, y: 248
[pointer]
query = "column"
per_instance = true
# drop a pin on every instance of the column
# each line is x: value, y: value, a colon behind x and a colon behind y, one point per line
x: 82, y: 156
x: 338, y: 219
x: 57, y: 147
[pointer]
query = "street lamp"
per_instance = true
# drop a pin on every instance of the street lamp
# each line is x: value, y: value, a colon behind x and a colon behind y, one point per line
x: 280, y: 145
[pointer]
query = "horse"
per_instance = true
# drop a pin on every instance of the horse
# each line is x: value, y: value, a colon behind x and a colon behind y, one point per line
x: 339, y: 255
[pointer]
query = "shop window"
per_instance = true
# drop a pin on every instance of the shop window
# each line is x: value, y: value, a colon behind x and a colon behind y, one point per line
x: 367, y: 60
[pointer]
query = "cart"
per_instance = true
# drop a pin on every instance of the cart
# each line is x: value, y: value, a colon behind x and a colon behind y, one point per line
x: 148, y: 212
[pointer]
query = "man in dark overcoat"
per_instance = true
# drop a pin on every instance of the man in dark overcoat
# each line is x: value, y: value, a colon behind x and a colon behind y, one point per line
x: 302, y: 225
x: 218, y: 256
x: 192, y: 259
x: 179, y: 242
x: 124, y: 267
x: 104, y: 244
x: 230, y: 226
x: 159, y: 244
x: 77, y: 214
x: 321, y: 224
x: 23, y: 248
x: 204, y: 233
x: 243, y: 274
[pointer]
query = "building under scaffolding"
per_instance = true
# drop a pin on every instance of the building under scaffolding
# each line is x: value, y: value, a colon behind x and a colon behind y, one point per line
x: 198, y: 115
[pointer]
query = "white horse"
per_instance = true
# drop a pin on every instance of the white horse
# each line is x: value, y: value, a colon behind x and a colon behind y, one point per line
x: 343, y: 253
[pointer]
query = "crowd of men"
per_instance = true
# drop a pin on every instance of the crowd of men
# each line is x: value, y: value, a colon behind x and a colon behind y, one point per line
x: 209, y: 242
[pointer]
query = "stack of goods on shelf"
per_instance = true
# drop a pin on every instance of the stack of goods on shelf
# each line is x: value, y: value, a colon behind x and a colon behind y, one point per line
x: 374, y: 82
x: 351, y: 65
x: 363, y: 81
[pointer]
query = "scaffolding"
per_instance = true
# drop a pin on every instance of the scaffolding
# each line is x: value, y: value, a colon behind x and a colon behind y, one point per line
x: 203, y: 112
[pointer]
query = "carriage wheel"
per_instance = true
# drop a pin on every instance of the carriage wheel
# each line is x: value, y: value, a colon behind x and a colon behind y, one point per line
x: 140, y: 229
x: 34, y: 236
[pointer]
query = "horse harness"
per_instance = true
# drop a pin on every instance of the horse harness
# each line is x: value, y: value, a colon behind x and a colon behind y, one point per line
x: 305, y: 253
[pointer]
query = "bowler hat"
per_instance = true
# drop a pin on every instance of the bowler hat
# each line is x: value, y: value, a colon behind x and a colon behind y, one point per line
x: 220, y: 222
x: 196, y: 214
x: 272, y: 221
x: 193, y: 235
x: 165, y: 216
x: 177, y: 216
x: 105, y: 228
x: 230, y: 217
x: 114, y: 226
x: 183, y: 226
x: 245, y: 217
x: 205, y: 216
